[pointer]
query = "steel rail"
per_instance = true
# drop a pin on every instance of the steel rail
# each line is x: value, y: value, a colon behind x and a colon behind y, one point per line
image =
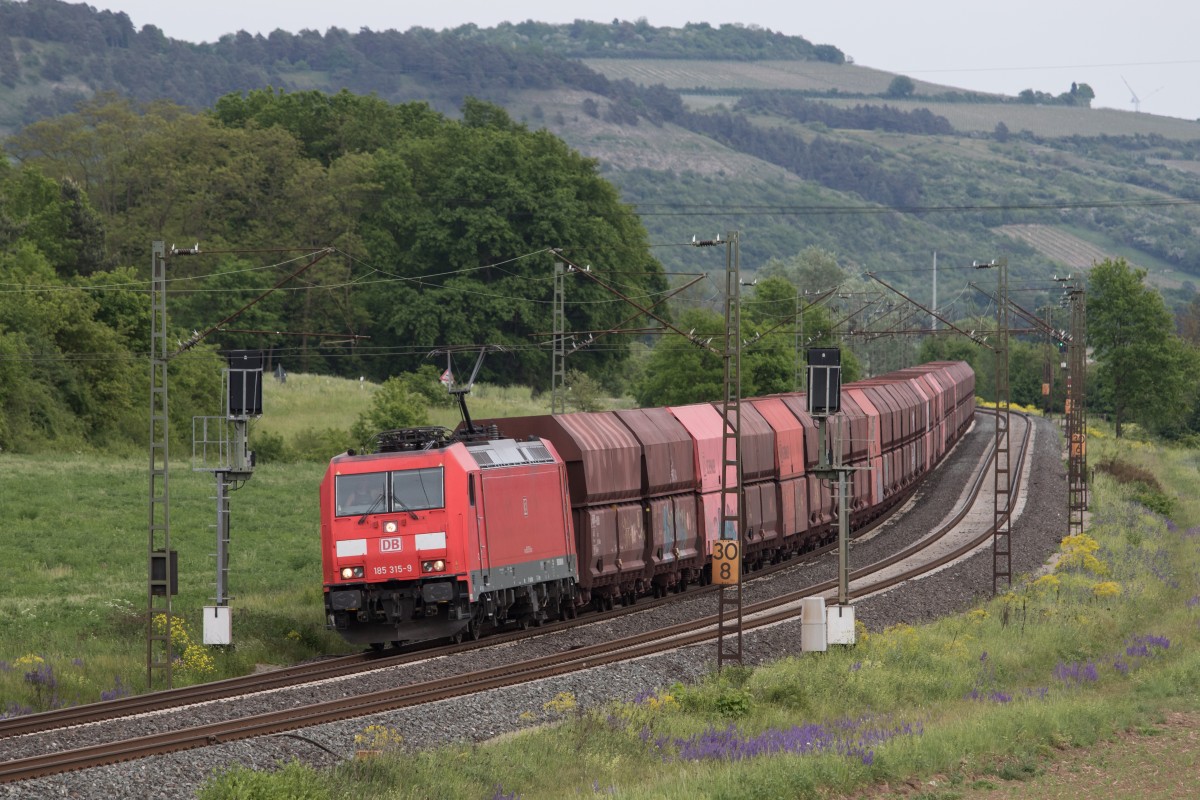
x: 359, y: 662
x: 648, y: 643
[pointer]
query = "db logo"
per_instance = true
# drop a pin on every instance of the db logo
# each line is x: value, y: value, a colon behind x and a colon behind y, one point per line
x: 393, y: 545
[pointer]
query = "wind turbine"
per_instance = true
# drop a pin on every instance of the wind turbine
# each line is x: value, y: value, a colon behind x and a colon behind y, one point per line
x: 1137, y: 101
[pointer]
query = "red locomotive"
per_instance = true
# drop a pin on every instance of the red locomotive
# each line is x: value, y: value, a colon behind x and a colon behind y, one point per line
x: 442, y: 534
x: 433, y: 537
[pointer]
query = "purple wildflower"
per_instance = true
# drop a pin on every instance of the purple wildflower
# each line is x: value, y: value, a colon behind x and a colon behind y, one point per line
x: 117, y: 691
x: 14, y: 709
x: 1154, y: 641
x: 851, y: 738
x: 1076, y: 673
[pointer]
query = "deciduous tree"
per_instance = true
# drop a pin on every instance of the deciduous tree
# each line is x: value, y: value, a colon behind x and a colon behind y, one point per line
x: 1142, y: 367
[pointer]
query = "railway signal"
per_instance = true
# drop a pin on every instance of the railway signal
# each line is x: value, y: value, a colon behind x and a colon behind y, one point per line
x: 220, y: 446
x: 824, y: 401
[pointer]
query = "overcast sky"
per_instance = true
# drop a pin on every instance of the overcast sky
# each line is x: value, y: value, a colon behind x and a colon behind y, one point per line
x: 1118, y: 48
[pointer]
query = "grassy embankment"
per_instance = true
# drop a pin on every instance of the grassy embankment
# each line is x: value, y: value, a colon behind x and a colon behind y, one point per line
x: 1102, y: 645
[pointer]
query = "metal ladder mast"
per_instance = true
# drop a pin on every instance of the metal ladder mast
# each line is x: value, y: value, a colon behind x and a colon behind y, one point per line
x: 558, y: 373
x: 158, y: 592
x: 1002, y: 472
x: 729, y: 631
x: 1077, y: 483
x: 221, y: 556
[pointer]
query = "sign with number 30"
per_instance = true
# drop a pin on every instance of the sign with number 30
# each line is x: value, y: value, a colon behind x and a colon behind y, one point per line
x: 726, y: 561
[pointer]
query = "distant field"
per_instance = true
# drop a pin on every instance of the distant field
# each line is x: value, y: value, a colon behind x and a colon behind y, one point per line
x: 1050, y: 120
x: 798, y: 75
x: 815, y: 76
x: 1191, y: 167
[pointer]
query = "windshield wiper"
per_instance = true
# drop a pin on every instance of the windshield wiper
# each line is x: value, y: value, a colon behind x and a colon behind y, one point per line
x: 403, y: 507
x: 372, y: 509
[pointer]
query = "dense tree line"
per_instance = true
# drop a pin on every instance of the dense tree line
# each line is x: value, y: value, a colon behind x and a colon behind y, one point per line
x: 836, y: 164
x: 844, y: 166
x: 640, y: 39
x: 794, y: 106
x: 441, y: 229
x: 64, y: 43
x: 74, y: 330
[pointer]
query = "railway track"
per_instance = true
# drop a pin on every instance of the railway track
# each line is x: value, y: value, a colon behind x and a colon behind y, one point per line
x: 342, y: 666
x: 895, y: 568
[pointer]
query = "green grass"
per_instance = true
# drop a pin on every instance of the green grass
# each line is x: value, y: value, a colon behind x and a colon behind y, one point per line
x: 973, y: 701
x: 74, y: 540
x: 307, y: 403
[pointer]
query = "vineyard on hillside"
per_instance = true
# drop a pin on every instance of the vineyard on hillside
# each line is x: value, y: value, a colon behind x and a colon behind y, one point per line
x: 1054, y: 243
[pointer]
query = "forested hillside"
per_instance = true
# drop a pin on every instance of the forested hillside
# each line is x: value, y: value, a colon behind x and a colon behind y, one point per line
x: 429, y: 176
x: 432, y: 232
x: 679, y: 106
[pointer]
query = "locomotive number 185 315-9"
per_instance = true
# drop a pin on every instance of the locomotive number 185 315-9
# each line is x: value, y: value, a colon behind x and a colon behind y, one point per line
x: 392, y: 569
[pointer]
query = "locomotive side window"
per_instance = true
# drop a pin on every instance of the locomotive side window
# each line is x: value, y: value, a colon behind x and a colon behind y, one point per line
x: 417, y: 489
x: 361, y: 494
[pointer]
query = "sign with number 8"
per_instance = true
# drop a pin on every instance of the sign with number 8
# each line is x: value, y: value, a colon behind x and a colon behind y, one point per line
x: 726, y: 561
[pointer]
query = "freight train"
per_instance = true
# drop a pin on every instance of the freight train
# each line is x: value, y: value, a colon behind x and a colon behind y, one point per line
x: 521, y: 520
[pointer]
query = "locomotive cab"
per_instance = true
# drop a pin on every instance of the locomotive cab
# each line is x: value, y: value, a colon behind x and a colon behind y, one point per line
x: 393, y: 553
x: 439, y: 542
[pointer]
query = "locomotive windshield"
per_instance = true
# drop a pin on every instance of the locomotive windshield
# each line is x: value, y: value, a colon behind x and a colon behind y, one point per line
x: 415, y: 489
x: 411, y: 490
x: 361, y: 494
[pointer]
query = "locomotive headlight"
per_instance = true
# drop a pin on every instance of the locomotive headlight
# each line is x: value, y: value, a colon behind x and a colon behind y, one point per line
x: 436, y: 565
x: 389, y: 526
x: 351, y: 572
